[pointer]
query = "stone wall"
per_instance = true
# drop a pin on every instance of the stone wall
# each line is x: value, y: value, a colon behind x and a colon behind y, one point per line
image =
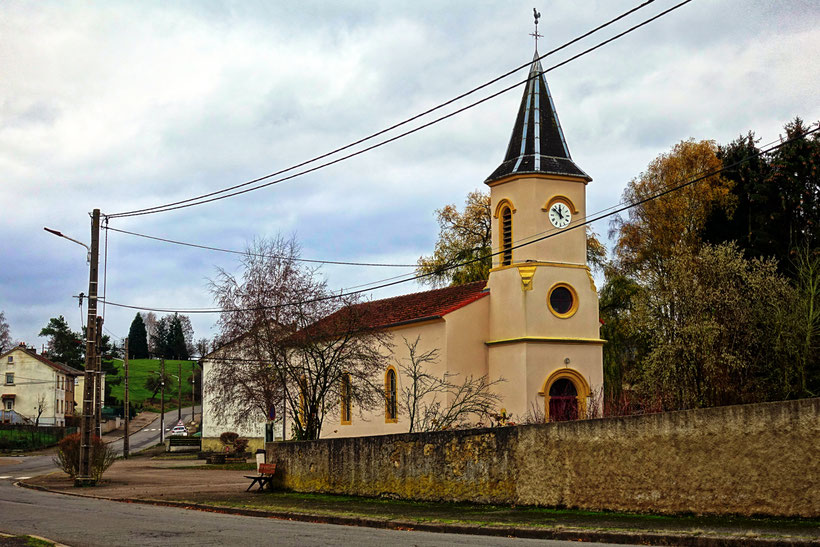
x: 747, y: 459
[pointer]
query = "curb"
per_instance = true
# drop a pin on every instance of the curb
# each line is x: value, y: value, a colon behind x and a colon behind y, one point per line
x: 41, y: 538
x: 565, y: 534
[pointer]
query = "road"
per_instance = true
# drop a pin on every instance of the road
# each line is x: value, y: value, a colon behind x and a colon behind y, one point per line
x: 78, y: 521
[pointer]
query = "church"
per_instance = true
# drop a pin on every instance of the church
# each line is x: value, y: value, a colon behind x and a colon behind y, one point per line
x: 534, y: 322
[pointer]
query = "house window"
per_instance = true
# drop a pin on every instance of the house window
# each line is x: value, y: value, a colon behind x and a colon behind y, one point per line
x: 390, y: 399
x: 9, y: 378
x: 506, y: 236
x: 9, y: 404
x: 11, y: 359
x: 345, y: 399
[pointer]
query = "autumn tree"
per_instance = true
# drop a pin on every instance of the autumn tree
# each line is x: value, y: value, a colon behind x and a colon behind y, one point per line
x: 64, y: 345
x: 292, y: 342
x: 137, y: 339
x: 5, y: 334
x: 433, y: 402
x: 647, y: 237
x: 464, y: 236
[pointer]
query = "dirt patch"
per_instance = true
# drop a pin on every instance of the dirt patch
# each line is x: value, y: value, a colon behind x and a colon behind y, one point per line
x: 143, y: 478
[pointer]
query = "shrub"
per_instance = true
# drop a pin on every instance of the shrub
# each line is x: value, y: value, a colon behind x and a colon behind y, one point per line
x: 68, y: 456
x: 240, y: 445
x: 228, y: 438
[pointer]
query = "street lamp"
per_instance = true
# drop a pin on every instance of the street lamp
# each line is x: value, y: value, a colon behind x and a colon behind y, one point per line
x: 60, y: 234
x: 91, y: 396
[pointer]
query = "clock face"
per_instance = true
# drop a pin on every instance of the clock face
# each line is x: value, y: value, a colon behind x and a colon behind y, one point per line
x: 560, y: 215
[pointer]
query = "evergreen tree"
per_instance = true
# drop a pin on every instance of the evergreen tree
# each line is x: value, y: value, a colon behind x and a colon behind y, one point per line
x: 137, y: 339
x: 64, y: 345
x: 177, y: 346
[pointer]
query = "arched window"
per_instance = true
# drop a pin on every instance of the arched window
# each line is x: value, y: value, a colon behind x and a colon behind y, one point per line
x: 506, y: 236
x: 390, y: 398
x: 345, y: 399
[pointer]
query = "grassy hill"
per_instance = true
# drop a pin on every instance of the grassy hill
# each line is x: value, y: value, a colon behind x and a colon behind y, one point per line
x: 140, y: 369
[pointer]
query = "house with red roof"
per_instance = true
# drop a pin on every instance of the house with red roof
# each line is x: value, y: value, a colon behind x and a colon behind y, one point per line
x: 534, y: 322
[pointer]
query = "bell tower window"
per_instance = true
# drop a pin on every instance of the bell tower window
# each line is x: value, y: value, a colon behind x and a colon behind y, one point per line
x: 506, y: 236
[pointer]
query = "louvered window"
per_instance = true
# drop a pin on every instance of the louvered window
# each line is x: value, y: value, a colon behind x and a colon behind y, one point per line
x: 345, y: 398
x: 390, y: 399
x: 506, y: 236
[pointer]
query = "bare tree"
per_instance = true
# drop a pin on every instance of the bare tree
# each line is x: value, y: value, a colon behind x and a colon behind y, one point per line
x: 40, y: 408
x: 5, y: 334
x: 433, y: 403
x: 201, y: 347
x: 292, y: 341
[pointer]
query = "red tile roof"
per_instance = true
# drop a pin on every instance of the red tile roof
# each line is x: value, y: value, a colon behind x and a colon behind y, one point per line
x: 410, y: 308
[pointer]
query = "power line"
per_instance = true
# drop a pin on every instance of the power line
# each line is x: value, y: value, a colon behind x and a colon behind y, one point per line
x: 471, y: 261
x: 213, y: 196
x: 246, y: 253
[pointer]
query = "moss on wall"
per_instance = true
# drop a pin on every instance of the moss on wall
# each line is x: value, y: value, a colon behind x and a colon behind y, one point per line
x: 748, y: 459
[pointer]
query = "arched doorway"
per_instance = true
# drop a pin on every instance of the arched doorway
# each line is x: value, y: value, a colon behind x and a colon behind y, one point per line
x: 563, y: 401
x: 565, y: 394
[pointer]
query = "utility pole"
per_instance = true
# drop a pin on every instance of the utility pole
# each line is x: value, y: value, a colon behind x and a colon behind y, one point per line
x: 179, y: 397
x: 98, y: 391
x: 162, y: 401
x: 127, y: 403
x: 87, y: 422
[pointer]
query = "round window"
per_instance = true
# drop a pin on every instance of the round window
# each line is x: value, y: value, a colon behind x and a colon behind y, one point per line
x: 562, y: 300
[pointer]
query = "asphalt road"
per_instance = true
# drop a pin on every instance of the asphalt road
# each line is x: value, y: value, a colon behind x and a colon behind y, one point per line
x: 78, y: 521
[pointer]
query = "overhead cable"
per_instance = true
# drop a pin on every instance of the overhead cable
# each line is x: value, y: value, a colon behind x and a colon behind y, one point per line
x: 233, y: 190
x: 586, y: 222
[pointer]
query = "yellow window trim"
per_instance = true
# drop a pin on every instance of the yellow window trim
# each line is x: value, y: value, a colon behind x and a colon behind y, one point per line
x: 342, y: 396
x: 501, y: 204
x: 563, y: 199
x: 577, y: 379
x: 387, y: 418
x: 572, y: 291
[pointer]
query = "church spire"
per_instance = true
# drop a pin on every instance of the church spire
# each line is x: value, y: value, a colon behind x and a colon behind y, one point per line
x: 537, y: 144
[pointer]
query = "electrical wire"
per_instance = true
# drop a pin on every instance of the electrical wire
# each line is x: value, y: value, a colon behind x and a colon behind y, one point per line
x: 246, y: 253
x: 376, y: 282
x: 160, y: 208
x: 586, y: 222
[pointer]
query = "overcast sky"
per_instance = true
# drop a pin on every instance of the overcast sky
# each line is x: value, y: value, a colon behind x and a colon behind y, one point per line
x: 121, y: 105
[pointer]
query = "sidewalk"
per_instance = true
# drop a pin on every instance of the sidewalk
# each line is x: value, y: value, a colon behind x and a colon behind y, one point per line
x: 189, y: 483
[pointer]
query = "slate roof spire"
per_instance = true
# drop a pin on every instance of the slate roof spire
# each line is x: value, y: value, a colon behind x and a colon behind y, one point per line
x: 537, y: 144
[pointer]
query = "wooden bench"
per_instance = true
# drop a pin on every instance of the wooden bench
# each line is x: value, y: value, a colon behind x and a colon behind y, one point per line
x: 264, y: 478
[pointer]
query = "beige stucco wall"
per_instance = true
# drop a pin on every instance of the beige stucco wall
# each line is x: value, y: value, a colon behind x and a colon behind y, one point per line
x: 33, y: 379
x: 529, y: 194
x: 747, y: 460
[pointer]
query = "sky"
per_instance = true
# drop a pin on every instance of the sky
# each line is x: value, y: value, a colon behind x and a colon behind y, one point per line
x: 122, y: 105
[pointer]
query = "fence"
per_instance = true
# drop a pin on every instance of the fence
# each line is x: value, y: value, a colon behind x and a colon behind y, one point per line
x: 31, y: 437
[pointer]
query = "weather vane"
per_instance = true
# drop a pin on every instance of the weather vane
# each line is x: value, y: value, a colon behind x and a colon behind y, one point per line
x: 535, y: 34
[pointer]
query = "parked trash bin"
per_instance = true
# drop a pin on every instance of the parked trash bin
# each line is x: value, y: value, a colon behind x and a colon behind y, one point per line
x: 260, y: 458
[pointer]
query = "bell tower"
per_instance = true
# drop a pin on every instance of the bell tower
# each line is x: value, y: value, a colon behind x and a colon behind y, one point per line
x: 544, y: 329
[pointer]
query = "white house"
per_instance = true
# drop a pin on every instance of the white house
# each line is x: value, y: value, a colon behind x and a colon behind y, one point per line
x: 33, y: 386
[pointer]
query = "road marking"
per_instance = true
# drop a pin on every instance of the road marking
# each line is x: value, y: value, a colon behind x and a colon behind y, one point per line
x: 22, y: 478
x: 5, y: 477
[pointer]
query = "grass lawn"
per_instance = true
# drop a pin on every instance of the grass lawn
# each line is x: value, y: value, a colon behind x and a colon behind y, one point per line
x: 140, y: 369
